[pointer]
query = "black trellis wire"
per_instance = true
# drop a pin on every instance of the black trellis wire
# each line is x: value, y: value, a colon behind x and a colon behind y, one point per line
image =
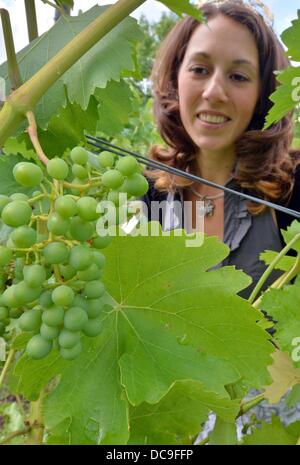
x: 104, y: 145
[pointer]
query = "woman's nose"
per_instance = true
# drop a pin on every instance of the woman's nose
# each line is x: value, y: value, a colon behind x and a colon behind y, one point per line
x: 215, y: 89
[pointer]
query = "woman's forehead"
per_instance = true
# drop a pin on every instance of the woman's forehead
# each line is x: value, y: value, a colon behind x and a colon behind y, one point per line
x: 224, y: 35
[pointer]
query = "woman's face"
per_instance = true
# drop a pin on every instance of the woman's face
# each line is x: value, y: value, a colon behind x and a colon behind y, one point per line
x: 218, y: 84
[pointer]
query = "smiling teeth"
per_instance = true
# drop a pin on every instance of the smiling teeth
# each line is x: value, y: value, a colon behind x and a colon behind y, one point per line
x: 212, y: 118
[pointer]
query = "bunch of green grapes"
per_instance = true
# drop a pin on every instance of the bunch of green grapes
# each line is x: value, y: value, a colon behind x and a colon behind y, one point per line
x: 51, y: 264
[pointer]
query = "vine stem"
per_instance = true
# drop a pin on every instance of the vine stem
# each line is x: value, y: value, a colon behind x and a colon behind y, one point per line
x: 270, y: 268
x: 6, y: 366
x: 36, y: 421
x: 32, y: 132
x: 31, y: 19
x: 282, y: 280
x: 20, y: 432
x: 26, y: 97
x: 12, y: 65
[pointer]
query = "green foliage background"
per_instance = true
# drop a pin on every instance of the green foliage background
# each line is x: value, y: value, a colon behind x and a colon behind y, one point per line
x: 179, y: 342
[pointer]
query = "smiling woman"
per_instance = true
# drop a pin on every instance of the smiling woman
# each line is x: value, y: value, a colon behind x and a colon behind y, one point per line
x: 212, y: 83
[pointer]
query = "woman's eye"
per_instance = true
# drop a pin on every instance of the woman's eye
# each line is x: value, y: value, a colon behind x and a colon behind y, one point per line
x: 199, y: 70
x: 239, y: 77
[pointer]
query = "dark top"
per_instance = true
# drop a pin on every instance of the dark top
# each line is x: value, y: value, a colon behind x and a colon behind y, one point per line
x: 246, y: 235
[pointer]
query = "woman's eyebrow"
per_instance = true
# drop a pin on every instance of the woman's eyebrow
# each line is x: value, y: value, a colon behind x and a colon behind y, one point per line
x: 238, y: 61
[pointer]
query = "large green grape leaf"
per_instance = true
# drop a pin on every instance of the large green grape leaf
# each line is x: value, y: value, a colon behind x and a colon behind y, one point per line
x: 202, y: 307
x: 283, y: 305
x: 178, y: 416
x: 114, y: 107
x: 273, y: 434
x: 290, y: 37
x: 105, y: 61
x: 286, y: 96
x: 166, y: 325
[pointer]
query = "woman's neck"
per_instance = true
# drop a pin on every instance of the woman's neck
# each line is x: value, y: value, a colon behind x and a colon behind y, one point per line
x: 214, y: 167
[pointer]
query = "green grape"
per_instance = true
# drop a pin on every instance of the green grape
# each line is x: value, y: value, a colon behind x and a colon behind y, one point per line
x: 38, y: 347
x: 112, y: 179
x: 16, y: 213
x: 118, y: 198
x: 135, y: 185
x: 90, y: 274
x: 86, y: 207
x: 34, y: 275
x: 127, y: 165
x: 80, y: 301
x: 94, y: 308
x: 3, y: 313
x: 24, y: 237
x: 67, y: 271
x: 56, y: 252
x: 94, y: 289
x: 93, y: 328
x: 68, y: 339
x: 15, y: 312
x: 25, y: 294
x: 100, y: 242
x: 45, y: 299
x: 4, y: 200
x: 80, y: 171
x: 75, y: 319
x: 71, y: 354
x: 5, y: 255
x: 8, y: 297
x: 81, y: 230
x: 19, y: 196
x: 57, y: 168
x: 98, y: 258
x: 65, y: 206
x: 106, y: 159
x: 62, y: 295
x: 27, y: 174
x: 56, y: 224
x: 53, y: 316
x: 79, y: 155
x: 49, y: 332
x: 30, y: 320
x: 80, y: 257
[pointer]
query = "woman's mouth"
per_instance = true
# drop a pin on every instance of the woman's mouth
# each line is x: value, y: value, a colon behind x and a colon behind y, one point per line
x: 208, y: 120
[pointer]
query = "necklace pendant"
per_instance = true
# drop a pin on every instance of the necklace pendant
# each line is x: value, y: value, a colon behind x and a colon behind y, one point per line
x: 208, y: 208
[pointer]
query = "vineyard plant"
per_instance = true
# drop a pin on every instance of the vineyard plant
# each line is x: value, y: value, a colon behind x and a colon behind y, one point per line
x: 126, y: 338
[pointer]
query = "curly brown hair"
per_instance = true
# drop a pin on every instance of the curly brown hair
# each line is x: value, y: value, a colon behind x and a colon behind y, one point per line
x: 265, y: 162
